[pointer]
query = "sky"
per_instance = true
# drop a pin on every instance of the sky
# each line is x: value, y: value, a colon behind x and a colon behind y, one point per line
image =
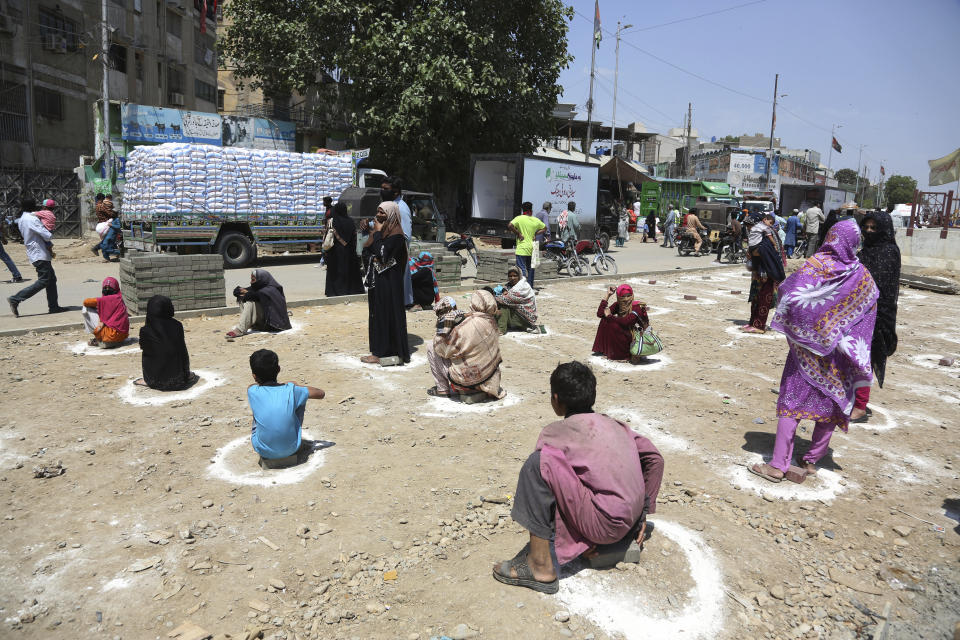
x: 886, y: 73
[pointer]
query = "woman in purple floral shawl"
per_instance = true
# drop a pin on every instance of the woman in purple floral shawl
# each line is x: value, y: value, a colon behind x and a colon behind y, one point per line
x: 827, y: 311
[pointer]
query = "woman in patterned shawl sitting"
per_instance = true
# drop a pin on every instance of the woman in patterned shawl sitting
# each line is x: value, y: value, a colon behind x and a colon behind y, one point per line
x: 827, y: 311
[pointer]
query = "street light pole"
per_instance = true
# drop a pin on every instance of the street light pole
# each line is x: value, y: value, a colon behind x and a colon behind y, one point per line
x: 593, y: 61
x: 856, y: 191
x: 105, y: 54
x: 616, y: 75
x: 773, y: 125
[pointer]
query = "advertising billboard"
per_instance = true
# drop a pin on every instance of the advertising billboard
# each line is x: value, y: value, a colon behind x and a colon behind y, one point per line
x: 156, y: 125
x: 558, y: 183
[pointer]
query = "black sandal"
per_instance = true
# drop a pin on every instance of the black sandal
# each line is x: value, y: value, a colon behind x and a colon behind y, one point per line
x: 524, y: 574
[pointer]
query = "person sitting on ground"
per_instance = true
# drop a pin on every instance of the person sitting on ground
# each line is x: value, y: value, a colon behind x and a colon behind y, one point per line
x: 618, y: 322
x: 423, y: 280
x: 590, y: 481
x: 106, y: 317
x: 693, y: 227
x: 277, y: 407
x: 466, y: 359
x: 448, y: 316
x: 262, y: 306
x: 166, y: 362
x: 516, y: 303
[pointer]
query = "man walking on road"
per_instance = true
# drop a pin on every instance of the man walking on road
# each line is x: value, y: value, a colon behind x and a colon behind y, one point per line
x: 670, y: 235
x: 814, y: 216
x: 36, y: 240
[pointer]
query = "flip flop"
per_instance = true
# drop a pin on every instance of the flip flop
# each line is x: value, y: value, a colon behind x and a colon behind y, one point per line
x: 524, y: 575
x: 861, y: 419
x: 370, y: 360
x: 755, y: 470
x: 432, y: 391
x: 140, y: 383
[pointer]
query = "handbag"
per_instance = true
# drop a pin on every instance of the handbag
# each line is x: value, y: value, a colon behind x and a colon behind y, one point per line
x: 328, y: 239
x: 535, y: 256
x: 646, y: 343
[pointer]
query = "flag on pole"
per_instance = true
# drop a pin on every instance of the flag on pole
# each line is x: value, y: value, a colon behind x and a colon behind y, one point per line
x: 836, y: 145
x: 597, y: 31
x: 882, y: 171
x: 944, y: 170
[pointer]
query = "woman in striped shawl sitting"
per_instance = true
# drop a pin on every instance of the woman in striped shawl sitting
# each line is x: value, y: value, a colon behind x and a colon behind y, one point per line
x: 516, y: 303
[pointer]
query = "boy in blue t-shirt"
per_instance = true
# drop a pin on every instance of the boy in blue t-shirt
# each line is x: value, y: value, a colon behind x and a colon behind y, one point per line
x: 277, y: 408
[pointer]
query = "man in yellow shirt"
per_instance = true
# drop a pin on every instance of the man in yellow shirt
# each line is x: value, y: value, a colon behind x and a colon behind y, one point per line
x: 526, y: 227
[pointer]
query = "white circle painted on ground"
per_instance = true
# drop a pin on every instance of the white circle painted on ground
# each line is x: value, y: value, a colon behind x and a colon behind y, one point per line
x: 252, y: 475
x: 605, y: 599
x: 658, y: 311
x: 295, y: 327
x: 699, y: 300
x: 769, y: 335
x: 887, y: 422
x: 652, y: 429
x: 653, y: 363
x: 145, y: 397
x: 646, y: 283
x: 932, y: 361
x: 82, y: 348
x: 823, y: 486
x: 445, y: 407
x: 353, y: 362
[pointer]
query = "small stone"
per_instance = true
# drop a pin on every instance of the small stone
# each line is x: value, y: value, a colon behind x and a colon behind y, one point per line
x: 735, y: 292
x: 302, y: 530
x: 277, y: 584
x: 900, y: 542
x: 413, y: 636
x: 259, y: 605
x: 777, y: 591
x: 185, y: 534
x: 27, y: 618
x: 759, y: 421
x: 902, y: 530
x: 323, y: 529
x: 206, y: 504
x: 390, y: 575
x: 829, y: 534
x: 651, y: 282
x: 566, y: 633
x: 462, y: 632
x: 561, y: 616
x: 946, y: 362
x: 687, y: 296
x: 397, y: 545
x: 375, y: 608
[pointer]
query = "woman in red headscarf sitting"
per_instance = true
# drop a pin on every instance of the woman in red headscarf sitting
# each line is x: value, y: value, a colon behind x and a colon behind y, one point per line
x: 106, y: 317
x: 617, y: 323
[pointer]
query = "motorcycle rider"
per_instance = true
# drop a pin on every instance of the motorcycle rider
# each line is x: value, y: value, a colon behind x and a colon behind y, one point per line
x: 733, y: 237
x: 693, y: 229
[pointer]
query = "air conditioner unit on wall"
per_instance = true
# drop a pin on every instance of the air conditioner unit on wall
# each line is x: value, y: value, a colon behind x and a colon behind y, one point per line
x: 54, y: 42
x: 176, y: 98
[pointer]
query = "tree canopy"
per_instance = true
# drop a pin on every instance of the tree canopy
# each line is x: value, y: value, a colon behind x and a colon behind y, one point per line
x: 426, y: 82
x: 846, y: 176
x: 899, y: 189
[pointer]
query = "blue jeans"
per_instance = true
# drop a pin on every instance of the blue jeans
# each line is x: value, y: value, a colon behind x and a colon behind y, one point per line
x: 108, y: 245
x: 46, y: 279
x: 7, y: 260
x: 523, y: 263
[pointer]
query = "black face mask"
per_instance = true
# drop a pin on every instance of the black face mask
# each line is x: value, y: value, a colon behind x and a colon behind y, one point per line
x: 871, y: 238
x: 386, y: 195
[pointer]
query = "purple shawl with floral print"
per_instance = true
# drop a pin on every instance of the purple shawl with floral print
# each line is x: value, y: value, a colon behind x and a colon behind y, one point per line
x: 827, y: 311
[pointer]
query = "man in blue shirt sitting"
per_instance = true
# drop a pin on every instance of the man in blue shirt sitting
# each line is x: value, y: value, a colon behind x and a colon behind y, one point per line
x: 277, y: 408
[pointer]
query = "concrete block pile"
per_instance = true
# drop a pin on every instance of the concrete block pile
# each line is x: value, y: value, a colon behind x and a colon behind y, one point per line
x: 190, y: 281
x: 446, y: 264
x: 494, y: 264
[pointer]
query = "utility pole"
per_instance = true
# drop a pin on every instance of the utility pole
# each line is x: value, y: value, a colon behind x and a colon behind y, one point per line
x: 773, y: 125
x: 105, y: 54
x: 856, y: 191
x: 686, y: 147
x: 593, y: 61
x: 616, y: 75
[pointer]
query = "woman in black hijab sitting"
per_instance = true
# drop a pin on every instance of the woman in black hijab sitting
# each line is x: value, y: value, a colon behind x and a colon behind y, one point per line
x: 166, y: 363
x: 262, y: 305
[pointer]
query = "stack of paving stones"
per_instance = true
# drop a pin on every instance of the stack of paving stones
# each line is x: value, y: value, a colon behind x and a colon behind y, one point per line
x: 191, y: 282
x: 446, y: 264
x: 494, y: 264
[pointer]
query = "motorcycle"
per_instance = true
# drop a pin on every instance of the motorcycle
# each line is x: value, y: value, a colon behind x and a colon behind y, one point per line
x: 731, y: 249
x: 464, y: 243
x: 685, y: 243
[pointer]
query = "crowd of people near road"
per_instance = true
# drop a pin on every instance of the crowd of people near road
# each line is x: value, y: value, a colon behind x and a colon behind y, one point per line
x: 591, y: 481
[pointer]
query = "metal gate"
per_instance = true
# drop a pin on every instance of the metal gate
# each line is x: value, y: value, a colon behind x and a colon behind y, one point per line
x: 60, y: 184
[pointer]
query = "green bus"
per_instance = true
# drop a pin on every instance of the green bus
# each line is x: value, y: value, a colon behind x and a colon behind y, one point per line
x: 684, y: 193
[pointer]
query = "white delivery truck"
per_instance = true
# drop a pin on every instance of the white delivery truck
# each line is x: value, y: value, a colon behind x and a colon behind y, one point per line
x: 502, y: 182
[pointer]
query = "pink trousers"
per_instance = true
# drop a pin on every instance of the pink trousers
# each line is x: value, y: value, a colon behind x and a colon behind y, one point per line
x: 861, y: 398
x: 783, y: 447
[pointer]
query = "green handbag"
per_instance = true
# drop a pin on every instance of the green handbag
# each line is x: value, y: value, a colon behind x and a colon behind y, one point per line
x: 646, y: 343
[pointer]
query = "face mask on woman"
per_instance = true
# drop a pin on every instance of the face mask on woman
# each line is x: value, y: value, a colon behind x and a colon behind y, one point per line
x: 386, y: 195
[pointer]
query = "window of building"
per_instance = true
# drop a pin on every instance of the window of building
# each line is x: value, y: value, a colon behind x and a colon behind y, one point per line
x: 203, y: 49
x: 174, y: 24
x: 49, y: 104
x: 205, y: 91
x: 55, y: 24
x: 122, y: 3
x: 221, y: 96
x: 138, y: 63
x: 118, y: 58
x: 14, y: 124
x: 174, y: 80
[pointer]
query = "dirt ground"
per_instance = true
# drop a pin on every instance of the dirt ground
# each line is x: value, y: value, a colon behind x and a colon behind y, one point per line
x: 390, y: 528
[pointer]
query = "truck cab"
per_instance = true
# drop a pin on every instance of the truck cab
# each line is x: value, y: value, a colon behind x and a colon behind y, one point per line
x: 427, y: 220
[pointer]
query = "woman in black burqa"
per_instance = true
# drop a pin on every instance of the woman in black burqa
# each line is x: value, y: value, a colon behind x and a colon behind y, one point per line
x: 388, y: 317
x: 262, y: 305
x: 166, y: 363
x: 881, y: 256
x: 343, y: 264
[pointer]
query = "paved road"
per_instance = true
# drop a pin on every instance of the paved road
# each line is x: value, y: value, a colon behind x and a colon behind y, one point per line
x: 301, y: 276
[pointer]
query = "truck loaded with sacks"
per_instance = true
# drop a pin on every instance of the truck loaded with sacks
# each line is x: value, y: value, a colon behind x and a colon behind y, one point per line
x: 189, y: 198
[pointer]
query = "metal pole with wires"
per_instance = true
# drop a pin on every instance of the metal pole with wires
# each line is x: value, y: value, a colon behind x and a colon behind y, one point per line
x: 616, y: 76
x: 856, y: 191
x: 773, y: 126
x: 105, y: 93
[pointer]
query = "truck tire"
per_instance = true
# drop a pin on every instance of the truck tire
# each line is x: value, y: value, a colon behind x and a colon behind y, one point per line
x: 604, y: 239
x: 507, y: 243
x: 236, y: 249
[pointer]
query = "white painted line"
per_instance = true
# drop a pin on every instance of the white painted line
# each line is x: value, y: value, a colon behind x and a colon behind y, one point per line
x: 350, y: 361
x: 654, y: 363
x: 886, y: 421
x: 252, y: 475
x: 823, y: 486
x: 646, y: 282
x: 144, y: 397
x: 120, y: 582
x: 949, y: 337
x: 755, y: 374
x: 932, y: 361
x: 445, y: 407
x: 658, y: 311
x: 82, y: 348
x: 615, y: 600
x: 295, y: 327
x: 652, y: 429
x: 769, y: 335
x: 699, y: 300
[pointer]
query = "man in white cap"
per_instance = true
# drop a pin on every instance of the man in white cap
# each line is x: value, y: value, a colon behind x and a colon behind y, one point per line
x: 37, y: 241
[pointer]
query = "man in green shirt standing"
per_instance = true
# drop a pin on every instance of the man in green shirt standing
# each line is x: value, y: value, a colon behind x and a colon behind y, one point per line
x: 526, y: 227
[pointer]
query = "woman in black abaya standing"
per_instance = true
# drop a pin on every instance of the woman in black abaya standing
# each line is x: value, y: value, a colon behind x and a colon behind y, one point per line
x: 388, y: 319
x: 343, y: 264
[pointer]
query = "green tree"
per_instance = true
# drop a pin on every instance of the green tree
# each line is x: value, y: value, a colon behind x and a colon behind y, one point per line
x: 426, y: 82
x: 846, y: 176
x: 899, y: 189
